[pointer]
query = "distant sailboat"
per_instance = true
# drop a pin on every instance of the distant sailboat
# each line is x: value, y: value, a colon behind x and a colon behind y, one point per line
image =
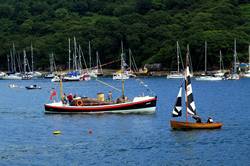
x: 177, y: 74
x: 33, y: 73
x: 234, y: 75
x: 205, y: 76
x: 98, y: 68
x: 247, y: 74
x: 52, y: 67
x: 221, y: 72
x: 190, y: 107
x: 122, y: 74
x: 12, y: 71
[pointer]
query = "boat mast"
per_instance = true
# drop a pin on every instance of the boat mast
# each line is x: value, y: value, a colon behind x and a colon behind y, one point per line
x: 220, y: 61
x: 89, y: 56
x: 24, y: 61
x: 79, y: 58
x: 13, y: 58
x: 8, y: 60
x: 235, y: 54
x: 74, y: 57
x: 122, y: 71
x: 32, y: 60
x: 205, y: 57
x: 249, y: 57
x: 97, y: 60
x: 187, y: 63
x: 69, y: 54
x: 178, y: 58
x: 61, y: 88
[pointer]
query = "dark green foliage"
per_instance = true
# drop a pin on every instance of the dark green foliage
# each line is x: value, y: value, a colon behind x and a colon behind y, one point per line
x: 149, y: 27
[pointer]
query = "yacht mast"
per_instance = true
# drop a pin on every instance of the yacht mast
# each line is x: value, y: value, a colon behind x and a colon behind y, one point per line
x: 205, y: 57
x: 178, y: 58
x: 69, y: 54
x: 89, y: 56
x: 32, y: 60
x: 249, y: 57
x: 235, y: 55
x: 122, y: 71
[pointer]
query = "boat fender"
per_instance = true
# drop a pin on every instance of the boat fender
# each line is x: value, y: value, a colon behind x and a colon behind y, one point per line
x: 79, y: 103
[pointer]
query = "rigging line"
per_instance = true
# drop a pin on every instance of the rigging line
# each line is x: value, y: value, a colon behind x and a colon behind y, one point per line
x: 104, y: 83
x: 110, y: 62
x: 145, y: 86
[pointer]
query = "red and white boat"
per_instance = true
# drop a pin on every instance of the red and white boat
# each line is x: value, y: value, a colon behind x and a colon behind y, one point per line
x: 141, y: 104
x: 145, y: 104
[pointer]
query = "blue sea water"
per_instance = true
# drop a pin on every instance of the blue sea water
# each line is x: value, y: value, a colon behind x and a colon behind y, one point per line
x: 26, y: 133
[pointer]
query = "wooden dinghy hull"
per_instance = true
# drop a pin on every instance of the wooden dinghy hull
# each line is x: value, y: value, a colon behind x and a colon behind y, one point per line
x: 176, y: 125
x: 142, y: 106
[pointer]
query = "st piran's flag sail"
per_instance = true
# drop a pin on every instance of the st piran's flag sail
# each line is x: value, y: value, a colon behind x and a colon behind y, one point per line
x: 190, y: 104
x: 178, y: 106
x: 191, y: 109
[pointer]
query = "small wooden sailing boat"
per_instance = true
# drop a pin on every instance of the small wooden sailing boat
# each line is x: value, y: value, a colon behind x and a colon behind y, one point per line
x: 190, y: 108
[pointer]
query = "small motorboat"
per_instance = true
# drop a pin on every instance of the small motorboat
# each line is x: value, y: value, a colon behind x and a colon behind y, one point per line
x: 33, y: 87
x: 13, y: 86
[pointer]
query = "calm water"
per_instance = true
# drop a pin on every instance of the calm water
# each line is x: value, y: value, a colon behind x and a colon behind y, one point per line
x: 27, y: 139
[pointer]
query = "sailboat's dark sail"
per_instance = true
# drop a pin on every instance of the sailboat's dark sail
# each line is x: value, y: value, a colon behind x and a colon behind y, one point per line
x: 178, y: 106
x: 191, y: 109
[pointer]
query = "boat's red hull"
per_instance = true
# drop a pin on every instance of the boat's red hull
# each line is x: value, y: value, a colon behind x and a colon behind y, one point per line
x: 175, y: 125
x: 127, y: 107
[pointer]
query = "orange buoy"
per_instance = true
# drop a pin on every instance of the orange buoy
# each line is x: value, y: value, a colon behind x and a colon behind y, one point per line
x: 79, y: 103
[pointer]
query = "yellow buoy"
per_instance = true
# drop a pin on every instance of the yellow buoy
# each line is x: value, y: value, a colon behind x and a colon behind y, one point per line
x: 57, y: 132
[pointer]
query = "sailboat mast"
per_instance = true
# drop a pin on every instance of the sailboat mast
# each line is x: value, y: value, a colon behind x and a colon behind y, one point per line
x: 13, y: 56
x: 24, y: 61
x: 89, y: 56
x: 97, y: 57
x: 122, y: 71
x: 220, y: 61
x: 74, y: 57
x: 51, y: 64
x: 32, y: 60
x: 205, y: 57
x: 69, y: 54
x: 8, y: 59
x: 178, y: 58
x: 249, y: 57
x: 235, y: 54
x: 186, y: 82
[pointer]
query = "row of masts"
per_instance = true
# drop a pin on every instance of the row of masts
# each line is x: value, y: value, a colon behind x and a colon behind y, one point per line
x: 15, y: 64
x: 179, y: 60
x: 75, y: 59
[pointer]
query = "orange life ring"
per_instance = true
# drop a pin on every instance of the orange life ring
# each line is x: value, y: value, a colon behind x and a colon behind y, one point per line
x: 79, y: 103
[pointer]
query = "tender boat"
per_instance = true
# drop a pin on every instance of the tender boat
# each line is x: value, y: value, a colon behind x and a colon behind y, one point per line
x: 190, y: 108
x: 33, y: 87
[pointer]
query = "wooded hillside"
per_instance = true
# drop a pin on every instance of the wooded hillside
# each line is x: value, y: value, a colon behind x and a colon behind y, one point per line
x: 149, y: 27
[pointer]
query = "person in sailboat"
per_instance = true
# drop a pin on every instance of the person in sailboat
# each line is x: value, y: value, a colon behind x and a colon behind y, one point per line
x: 197, y: 118
x: 210, y: 120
